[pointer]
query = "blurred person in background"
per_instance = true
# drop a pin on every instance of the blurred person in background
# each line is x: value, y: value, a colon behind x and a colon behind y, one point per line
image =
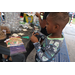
x: 42, y: 21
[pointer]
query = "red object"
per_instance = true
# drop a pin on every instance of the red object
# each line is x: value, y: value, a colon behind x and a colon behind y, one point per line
x: 21, y: 16
x: 71, y: 19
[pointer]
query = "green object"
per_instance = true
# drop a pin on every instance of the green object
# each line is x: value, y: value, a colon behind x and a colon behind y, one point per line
x: 27, y: 37
x: 73, y: 21
x: 24, y: 19
x: 52, y: 55
x: 44, y: 45
x: 8, y: 43
x: 32, y: 22
x: 26, y: 14
x: 21, y: 22
x: 38, y: 26
x: 15, y: 42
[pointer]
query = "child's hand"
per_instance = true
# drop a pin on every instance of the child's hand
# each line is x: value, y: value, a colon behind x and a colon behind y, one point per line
x: 34, y: 39
x: 37, y: 14
x: 35, y: 33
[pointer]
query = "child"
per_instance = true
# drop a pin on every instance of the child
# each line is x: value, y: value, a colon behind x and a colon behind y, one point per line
x: 50, y: 46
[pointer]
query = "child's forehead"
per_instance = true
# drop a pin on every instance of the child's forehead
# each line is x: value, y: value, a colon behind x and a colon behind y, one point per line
x: 48, y: 18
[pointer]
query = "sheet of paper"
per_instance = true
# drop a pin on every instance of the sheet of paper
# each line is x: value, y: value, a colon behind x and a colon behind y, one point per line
x: 14, y: 41
x: 17, y: 49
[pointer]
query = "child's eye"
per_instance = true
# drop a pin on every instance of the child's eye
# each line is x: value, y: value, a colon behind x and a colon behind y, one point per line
x: 46, y: 23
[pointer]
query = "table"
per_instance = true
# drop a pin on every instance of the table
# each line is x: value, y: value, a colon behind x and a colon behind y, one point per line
x: 6, y: 51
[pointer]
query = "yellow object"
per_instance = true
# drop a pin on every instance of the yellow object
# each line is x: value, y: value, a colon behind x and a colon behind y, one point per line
x: 24, y: 15
x: 29, y: 19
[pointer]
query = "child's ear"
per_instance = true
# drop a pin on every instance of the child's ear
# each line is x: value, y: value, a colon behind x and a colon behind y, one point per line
x: 56, y: 27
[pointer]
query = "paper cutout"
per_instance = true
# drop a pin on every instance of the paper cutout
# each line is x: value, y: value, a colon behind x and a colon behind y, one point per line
x: 27, y: 37
x: 21, y: 34
x: 14, y: 41
x: 15, y: 34
x: 24, y: 29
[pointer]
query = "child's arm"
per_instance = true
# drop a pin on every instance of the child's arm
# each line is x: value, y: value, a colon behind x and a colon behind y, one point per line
x: 48, y: 54
x: 42, y: 22
x: 45, y: 53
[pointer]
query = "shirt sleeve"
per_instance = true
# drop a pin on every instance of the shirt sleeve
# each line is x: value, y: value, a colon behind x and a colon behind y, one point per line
x: 48, y: 54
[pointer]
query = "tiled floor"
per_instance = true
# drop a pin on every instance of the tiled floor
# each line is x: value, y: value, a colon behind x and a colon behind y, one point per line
x: 31, y: 57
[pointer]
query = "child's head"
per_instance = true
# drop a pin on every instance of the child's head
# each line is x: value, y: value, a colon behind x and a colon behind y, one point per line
x: 56, y: 21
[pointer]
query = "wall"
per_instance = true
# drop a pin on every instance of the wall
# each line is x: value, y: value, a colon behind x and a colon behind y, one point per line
x: 12, y: 19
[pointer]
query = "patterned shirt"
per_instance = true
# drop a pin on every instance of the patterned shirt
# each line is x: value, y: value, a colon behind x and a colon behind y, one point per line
x: 46, y: 51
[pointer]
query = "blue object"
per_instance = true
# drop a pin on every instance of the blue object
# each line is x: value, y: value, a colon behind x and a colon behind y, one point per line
x: 0, y: 19
x: 62, y: 56
x: 29, y: 19
x: 38, y: 50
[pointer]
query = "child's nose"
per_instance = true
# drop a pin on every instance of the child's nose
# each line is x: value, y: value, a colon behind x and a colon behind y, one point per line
x: 46, y: 25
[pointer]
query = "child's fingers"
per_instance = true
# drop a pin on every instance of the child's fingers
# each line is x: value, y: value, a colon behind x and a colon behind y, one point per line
x: 33, y: 33
x: 37, y: 33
